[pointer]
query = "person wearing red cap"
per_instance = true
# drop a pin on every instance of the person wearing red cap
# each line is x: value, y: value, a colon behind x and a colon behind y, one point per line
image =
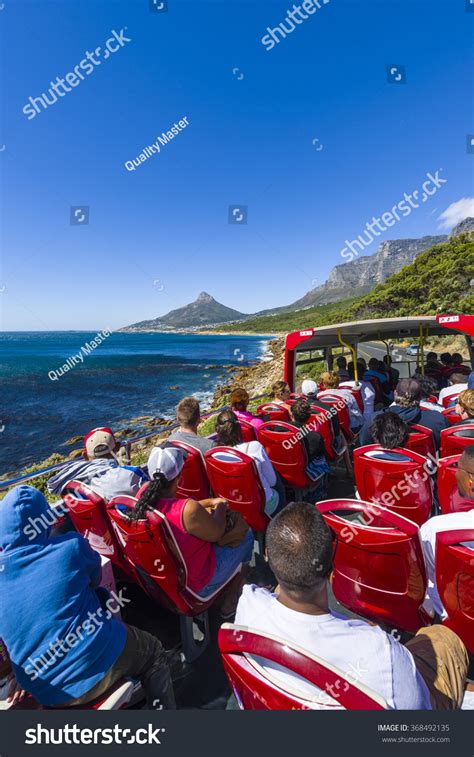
x: 100, y: 468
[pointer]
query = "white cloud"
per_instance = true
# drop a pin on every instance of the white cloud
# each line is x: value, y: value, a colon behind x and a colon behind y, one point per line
x: 457, y: 212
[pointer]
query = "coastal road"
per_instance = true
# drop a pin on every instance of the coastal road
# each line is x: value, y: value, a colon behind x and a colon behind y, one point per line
x: 399, y: 356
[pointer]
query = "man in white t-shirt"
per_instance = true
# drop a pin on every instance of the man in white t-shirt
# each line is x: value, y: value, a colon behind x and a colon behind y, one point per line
x: 299, y: 549
x: 458, y: 384
x: 451, y: 522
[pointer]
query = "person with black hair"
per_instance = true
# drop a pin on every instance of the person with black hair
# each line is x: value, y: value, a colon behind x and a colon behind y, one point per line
x: 389, y: 430
x: 299, y: 551
x: 317, y: 467
x: 229, y: 434
x: 196, y: 526
x: 392, y: 372
x: 428, y: 388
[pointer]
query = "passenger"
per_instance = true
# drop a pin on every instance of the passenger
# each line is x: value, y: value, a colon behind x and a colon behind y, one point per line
x: 434, y: 369
x: 458, y: 384
x: 366, y: 389
x: 374, y: 372
x: 390, y: 432
x: 446, y: 364
x: 330, y: 383
x: 457, y: 366
x: 239, y: 400
x: 281, y: 393
x: 428, y: 388
x: 407, y: 406
x: 229, y: 434
x: 341, y: 363
x: 196, y: 526
x: 100, y: 469
x: 310, y: 389
x: 299, y: 551
x: 313, y: 442
x: 65, y: 650
x: 450, y: 522
x: 188, y: 415
x: 465, y: 408
x: 393, y: 373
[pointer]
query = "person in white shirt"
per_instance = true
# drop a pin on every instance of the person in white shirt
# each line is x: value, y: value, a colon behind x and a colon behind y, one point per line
x: 449, y: 522
x: 330, y: 383
x: 299, y: 551
x: 458, y: 385
x: 229, y: 434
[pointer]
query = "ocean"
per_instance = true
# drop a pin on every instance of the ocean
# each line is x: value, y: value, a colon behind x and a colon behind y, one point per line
x: 123, y: 377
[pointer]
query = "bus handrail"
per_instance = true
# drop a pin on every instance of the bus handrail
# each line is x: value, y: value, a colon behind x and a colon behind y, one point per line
x: 126, y: 442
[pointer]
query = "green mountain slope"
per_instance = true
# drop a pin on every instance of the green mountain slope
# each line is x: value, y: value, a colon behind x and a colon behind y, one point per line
x: 439, y: 280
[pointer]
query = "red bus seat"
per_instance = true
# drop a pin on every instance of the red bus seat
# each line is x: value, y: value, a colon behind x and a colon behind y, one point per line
x: 234, y: 476
x: 451, y: 416
x: 194, y: 483
x: 455, y: 582
x: 385, y: 482
x: 342, y: 413
x: 320, y: 423
x: 248, y: 431
x: 450, y: 500
x: 379, y: 569
x: 446, y: 401
x: 257, y: 688
x: 274, y: 412
x: 455, y: 439
x: 87, y: 511
x: 150, y: 547
x: 290, y: 461
x: 421, y: 440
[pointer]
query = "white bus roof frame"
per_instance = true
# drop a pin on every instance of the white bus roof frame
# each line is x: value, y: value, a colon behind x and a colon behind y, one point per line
x: 383, y: 329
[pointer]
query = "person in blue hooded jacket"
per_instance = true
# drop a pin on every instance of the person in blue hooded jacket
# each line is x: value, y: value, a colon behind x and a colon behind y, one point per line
x: 407, y: 406
x: 65, y: 647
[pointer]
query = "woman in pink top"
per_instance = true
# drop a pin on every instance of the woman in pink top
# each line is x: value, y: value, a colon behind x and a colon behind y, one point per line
x: 239, y: 400
x: 196, y: 527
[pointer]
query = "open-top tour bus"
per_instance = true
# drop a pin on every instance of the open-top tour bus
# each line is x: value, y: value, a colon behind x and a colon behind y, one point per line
x: 372, y: 338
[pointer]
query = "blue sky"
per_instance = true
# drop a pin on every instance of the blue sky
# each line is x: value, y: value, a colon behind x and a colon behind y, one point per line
x: 249, y: 141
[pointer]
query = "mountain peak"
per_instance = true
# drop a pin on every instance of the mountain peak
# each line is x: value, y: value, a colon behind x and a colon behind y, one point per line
x: 205, y: 297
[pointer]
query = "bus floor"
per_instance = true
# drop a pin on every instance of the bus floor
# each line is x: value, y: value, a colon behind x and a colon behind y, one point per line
x: 202, y: 684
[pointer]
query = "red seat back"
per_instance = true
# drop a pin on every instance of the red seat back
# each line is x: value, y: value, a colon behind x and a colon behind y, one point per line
x: 421, y: 440
x: 248, y: 431
x: 87, y: 511
x: 274, y: 412
x: 233, y: 475
x: 151, y: 549
x: 379, y: 569
x: 451, y: 416
x: 342, y: 413
x: 377, y: 386
x: 320, y: 423
x: 446, y: 401
x: 194, y: 483
x: 455, y: 439
x: 455, y: 582
x: 286, y: 452
x: 257, y: 688
x: 450, y: 500
x: 385, y: 482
